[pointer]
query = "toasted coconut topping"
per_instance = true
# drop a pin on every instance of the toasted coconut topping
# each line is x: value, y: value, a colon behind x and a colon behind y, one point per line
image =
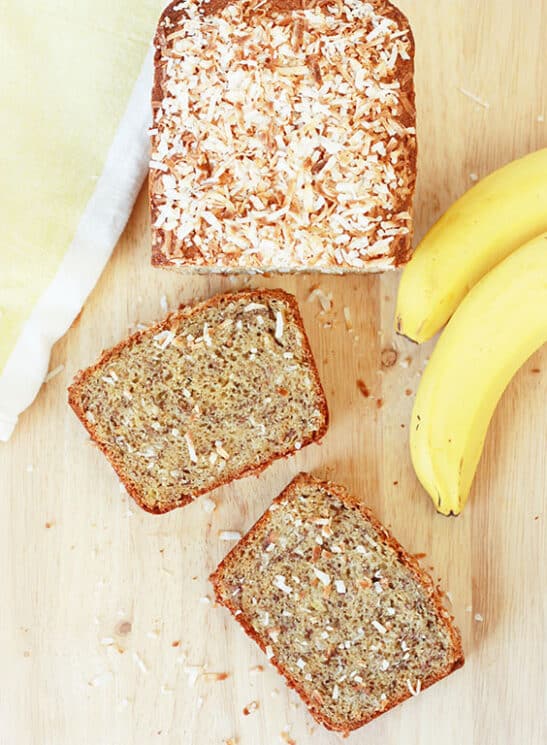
x: 285, y: 137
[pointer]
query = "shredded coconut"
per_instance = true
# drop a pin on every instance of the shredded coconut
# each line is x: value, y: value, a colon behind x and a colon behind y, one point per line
x: 282, y: 143
x: 229, y: 535
x: 53, y: 373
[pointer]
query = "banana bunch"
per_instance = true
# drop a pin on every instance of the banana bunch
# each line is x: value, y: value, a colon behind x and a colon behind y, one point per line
x: 482, y: 228
x: 500, y: 320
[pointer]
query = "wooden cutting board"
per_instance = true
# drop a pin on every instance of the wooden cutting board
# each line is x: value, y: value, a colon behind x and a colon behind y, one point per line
x: 105, y: 611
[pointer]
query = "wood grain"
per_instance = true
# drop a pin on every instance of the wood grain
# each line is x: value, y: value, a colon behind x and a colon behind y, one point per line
x: 78, y: 559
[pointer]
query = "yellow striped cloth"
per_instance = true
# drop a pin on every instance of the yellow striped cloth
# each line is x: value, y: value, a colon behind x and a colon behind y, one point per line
x: 74, y: 109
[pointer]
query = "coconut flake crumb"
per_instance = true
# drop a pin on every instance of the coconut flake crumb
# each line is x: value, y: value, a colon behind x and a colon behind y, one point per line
x: 473, y: 97
x: 414, y: 691
x: 53, y: 373
x: 208, y: 505
x: 269, y: 652
x: 280, y: 583
x: 347, y: 318
x: 279, y: 325
x: 340, y: 586
x: 325, y: 300
x: 322, y: 577
x: 229, y: 535
x: 193, y: 672
x: 101, y: 679
x: 379, y: 627
x: 140, y: 662
x: 479, y: 617
x: 191, y: 448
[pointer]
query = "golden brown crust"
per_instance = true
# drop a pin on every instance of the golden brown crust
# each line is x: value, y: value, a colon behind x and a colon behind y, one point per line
x: 133, y: 488
x: 407, y: 559
x: 402, y: 246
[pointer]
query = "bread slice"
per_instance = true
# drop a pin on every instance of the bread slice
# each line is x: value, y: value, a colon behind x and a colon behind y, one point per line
x: 212, y: 393
x: 284, y: 136
x: 350, y: 619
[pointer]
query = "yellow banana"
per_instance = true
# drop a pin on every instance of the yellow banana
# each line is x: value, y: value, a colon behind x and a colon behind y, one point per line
x: 489, y: 222
x: 501, y: 322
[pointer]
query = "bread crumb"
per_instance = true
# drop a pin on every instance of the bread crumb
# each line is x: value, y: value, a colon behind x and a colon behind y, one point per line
x: 123, y: 628
x: 250, y: 708
x: 388, y: 357
x: 216, y: 677
x: 285, y: 737
x: 176, y: 643
x: 363, y: 388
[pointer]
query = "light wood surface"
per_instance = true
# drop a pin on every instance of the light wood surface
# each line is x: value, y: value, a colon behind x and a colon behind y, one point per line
x: 78, y: 559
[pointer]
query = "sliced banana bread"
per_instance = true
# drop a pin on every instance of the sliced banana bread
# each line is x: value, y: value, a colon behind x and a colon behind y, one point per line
x: 284, y: 136
x: 350, y: 619
x: 212, y: 393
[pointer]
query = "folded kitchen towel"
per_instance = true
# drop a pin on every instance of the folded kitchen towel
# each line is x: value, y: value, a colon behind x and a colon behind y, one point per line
x: 75, y: 84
